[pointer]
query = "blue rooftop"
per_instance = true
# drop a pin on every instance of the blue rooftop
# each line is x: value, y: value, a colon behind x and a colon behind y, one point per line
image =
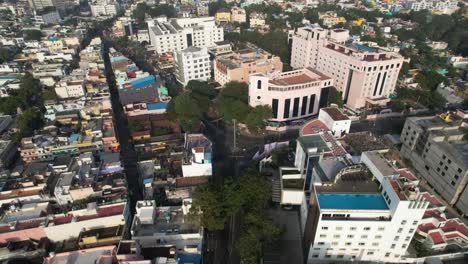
x: 143, y: 81
x: 351, y: 201
x: 363, y: 48
x: 73, y: 137
x: 9, y: 77
x: 188, y: 258
x: 156, y: 106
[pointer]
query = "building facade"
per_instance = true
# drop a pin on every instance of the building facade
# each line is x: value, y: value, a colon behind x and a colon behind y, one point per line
x: 238, y: 15
x: 105, y: 8
x: 239, y: 65
x: 192, y: 63
x: 363, y: 75
x: 181, y: 33
x: 441, y: 6
x: 438, y: 152
x: 291, y: 95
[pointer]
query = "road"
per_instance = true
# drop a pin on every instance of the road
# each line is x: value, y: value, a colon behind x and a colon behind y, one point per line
x: 128, y: 155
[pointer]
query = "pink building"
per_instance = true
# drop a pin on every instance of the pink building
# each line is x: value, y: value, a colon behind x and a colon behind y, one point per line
x: 291, y: 95
x: 364, y: 75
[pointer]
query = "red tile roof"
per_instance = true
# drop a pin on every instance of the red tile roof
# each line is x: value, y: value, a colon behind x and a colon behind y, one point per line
x: 407, y: 174
x: 111, y: 210
x: 432, y: 199
x: 453, y: 226
x: 34, y: 234
x: 435, y: 214
x: 426, y: 227
x: 436, y: 238
x: 396, y: 186
x: 313, y: 127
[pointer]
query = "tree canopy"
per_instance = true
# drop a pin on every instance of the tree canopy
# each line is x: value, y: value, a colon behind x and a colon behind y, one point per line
x: 29, y: 120
x: 32, y: 34
x: 184, y: 109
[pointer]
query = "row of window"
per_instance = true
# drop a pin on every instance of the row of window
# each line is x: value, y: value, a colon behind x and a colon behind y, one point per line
x: 353, y: 228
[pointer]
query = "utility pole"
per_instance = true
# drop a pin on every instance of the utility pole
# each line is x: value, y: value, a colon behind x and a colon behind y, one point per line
x: 234, y: 129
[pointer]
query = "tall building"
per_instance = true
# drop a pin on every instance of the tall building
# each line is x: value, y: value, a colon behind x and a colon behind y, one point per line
x: 180, y: 33
x: 105, y: 8
x: 437, y: 150
x: 291, y: 95
x: 442, y: 6
x: 368, y: 213
x: 363, y: 75
x: 192, y: 63
x: 237, y: 66
x: 40, y: 5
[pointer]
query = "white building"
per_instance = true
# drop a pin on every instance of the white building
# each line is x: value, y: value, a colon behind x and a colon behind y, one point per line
x: 443, y: 6
x: 367, y: 213
x: 165, y: 227
x: 192, y: 63
x: 70, y: 89
x: 106, y: 8
x: 181, y: 33
x: 197, y: 156
x: 291, y: 95
x: 338, y: 123
x: 363, y: 75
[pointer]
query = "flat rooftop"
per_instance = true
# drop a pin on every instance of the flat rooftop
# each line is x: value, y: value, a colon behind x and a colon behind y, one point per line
x: 314, y: 141
x: 301, y: 76
x: 335, y: 113
x: 351, y: 180
x: 381, y: 163
x: 351, y: 201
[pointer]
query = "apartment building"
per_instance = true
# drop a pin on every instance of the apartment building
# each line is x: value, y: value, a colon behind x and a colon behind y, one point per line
x: 438, y: 152
x: 238, y: 15
x: 103, y: 8
x: 180, y: 33
x: 256, y: 20
x: 70, y: 89
x: 192, y: 63
x: 291, y: 95
x: 441, y: 6
x: 223, y: 16
x: 363, y: 75
x: 165, y: 227
x: 197, y: 156
x: 369, y: 213
x: 237, y: 66
x: 330, y: 19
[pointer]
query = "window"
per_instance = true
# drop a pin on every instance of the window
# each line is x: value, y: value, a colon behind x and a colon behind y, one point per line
x: 315, y: 255
x: 456, y: 177
x: 427, y: 167
x: 340, y: 256
x: 364, y: 236
x: 350, y: 236
x: 396, y: 238
x: 321, y: 243
x: 444, y: 157
x: 387, y: 254
x: 370, y: 253
x: 453, y: 183
x: 449, y: 161
x: 403, y: 246
x: 415, y: 222
x: 375, y: 244
x: 327, y: 256
x: 378, y: 237
x: 287, y: 104
x: 381, y: 228
x: 403, y: 222
x: 323, y: 235
x: 324, y: 227
x: 367, y: 228
x: 336, y: 236
x: 353, y: 228
x: 334, y: 243
x: 348, y: 243
x: 362, y: 243
x: 393, y: 246
x: 411, y: 230
x: 459, y: 170
x: 339, y: 228
x: 259, y: 84
x: 400, y: 230
x: 407, y: 238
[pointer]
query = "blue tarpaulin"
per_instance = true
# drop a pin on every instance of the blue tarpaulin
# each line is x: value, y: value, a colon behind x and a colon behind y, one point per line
x: 156, y: 106
x: 143, y: 82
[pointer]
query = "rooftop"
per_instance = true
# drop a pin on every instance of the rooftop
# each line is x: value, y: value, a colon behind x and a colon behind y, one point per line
x: 301, y: 76
x: 352, y: 179
x: 379, y: 161
x: 335, y: 113
x: 92, y: 255
x: 313, y: 143
x: 351, y: 201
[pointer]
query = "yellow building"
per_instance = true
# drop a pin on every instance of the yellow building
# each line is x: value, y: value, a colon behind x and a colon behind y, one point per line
x: 223, y: 16
x: 359, y: 22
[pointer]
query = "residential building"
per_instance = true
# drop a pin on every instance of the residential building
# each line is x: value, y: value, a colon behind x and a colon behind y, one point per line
x: 437, y: 150
x: 47, y: 17
x: 237, y: 66
x: 256, y: 20
x: 367, y: 213
x: 197, y: 160
x: 338, y: 123
x: 221, y: 48
x: 238, y: 15
x: 91, y: 255
x: 180, y: 33
x: 458, y: 62
x: 442, y: 6
x: 363, y: 75
x: 291, y: 95
x: 103, y: 8
x: 330, y: 19
x: 70, y: 89
x: 166, y: 227
x: 223, y: 16
x: 192, y: 63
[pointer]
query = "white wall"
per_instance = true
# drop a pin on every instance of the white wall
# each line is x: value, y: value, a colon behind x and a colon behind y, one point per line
x: 196, y: 169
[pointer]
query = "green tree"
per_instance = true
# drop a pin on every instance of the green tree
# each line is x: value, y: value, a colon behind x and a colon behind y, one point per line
x: 202, y: 93
x: 134, y: 127
x: 257, y: 117
x: 233, y: 102
x: 9, y: 105
x: 404, y: 69
x: 29, y: 120
x: 49, y: 95
x: 185, y: 110
x: 32, y: 34
x: 334, y: 97
x: 6, y: 55
x: 29, y: 92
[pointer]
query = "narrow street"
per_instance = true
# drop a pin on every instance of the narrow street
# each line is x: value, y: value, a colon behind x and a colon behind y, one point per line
x: 127, y: 153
